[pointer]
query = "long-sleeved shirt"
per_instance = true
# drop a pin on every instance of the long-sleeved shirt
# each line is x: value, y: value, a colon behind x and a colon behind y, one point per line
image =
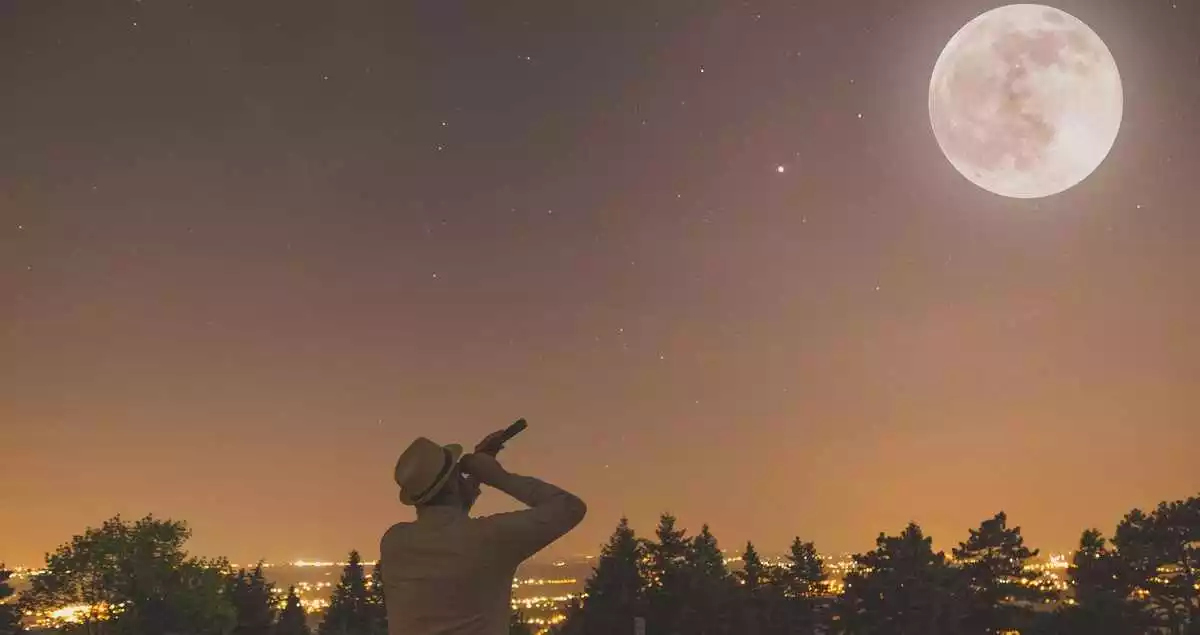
x: 450, y: 574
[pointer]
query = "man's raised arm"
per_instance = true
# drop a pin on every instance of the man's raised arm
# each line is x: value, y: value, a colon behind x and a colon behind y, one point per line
x: 552, y: 511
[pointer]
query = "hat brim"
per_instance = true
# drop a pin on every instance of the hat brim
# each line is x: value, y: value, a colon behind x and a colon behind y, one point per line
x: 456, y: 451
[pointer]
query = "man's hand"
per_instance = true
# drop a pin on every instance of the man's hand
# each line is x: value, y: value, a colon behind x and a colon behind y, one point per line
x: 491, y: 444
x: 483, y: 467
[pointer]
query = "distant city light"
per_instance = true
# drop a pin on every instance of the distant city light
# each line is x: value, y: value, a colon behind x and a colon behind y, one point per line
x: 543, y: 610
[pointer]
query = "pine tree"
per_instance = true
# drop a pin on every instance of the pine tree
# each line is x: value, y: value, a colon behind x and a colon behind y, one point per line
x: 666, y: 577
x: 706, y: 606
x: 798, y: 588
x: 999, y: 590
x: 253, y: 604
x: 349, y: 611
x: 901, y: 588
x: 616, y: 589
x: 704, y: 556
x: 10, y: 618
x: 376, y: 602
x: 753, y: 596
x: 804, y: 574
x: 292, y: 620
x: 753, y: 573
x: 1161, y: 552
x: 1101, y: 587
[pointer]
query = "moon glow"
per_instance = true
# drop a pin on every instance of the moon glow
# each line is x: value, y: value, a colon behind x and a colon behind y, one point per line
x: 1025, y: 101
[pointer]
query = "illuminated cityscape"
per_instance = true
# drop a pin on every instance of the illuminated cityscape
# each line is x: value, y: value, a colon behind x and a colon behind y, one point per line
x: 541, y: 591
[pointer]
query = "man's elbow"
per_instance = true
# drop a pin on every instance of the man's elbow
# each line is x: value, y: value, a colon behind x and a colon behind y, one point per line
x: 574, y: 509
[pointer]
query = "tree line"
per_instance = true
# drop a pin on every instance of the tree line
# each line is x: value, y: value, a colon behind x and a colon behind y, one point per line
x: 1144, y: 581
x: 136, y: 578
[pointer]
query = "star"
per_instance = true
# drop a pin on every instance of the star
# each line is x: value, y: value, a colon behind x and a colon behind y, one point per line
x: 780, y: 169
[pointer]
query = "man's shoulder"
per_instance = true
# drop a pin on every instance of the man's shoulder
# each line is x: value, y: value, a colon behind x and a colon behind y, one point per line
x: 395, y: 532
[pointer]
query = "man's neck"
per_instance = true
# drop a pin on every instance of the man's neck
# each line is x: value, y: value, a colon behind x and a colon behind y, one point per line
x: 440, y: 511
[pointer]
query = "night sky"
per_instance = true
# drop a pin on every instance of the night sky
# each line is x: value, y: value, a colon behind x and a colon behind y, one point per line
x: 711, y: 250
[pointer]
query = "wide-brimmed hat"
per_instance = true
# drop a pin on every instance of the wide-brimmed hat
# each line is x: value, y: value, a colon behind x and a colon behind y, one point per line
x: 424, y: 469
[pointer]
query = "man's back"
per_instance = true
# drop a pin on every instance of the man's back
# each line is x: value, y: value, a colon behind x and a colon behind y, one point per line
x: 449, y: 574
x: 441, y: 579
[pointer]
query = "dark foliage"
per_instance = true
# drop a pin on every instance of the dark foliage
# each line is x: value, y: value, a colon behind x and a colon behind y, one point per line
x: 1102, y: 586
x: 666, y: 575
x: 902, y: 587
x: 376, y: 604
x: 998, y: 593
x: 350, y: 610
x: 616, y: 592
x: 138, y: 579
x: 10, y: 618
x: 292, y: 620
x: 253, y: 604
x: 1160, y: 552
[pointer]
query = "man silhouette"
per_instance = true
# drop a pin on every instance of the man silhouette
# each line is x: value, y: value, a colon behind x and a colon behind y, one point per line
x: 448, y: 573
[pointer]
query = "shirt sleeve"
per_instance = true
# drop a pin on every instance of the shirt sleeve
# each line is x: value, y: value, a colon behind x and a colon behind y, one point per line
x: 515, y: 536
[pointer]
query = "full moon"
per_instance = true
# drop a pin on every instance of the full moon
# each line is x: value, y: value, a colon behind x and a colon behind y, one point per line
x: 1025, y: 101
